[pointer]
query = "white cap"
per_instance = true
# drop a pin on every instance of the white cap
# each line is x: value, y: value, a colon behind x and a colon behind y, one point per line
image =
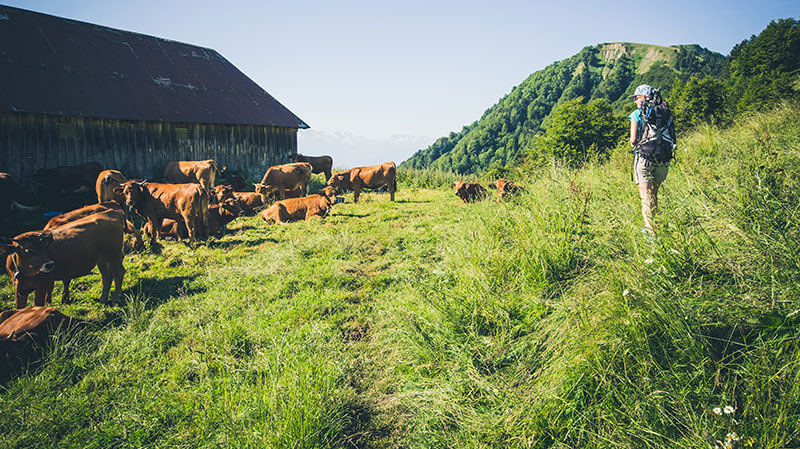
x: 644, y: 89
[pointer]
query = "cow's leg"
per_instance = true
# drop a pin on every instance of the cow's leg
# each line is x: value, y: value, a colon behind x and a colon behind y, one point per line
x: 392, y: 189
x: 21, y: 298
x: 65, y: 292
x: 356, y: 192
x: 105, y: 274
x: 118, y: 270
x: 155, y: 230
x: 190, y: 228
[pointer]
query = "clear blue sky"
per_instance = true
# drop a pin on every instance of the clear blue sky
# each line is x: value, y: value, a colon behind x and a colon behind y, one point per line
x: 423, y: 68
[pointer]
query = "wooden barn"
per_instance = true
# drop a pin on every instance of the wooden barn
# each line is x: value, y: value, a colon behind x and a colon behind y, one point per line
x: 73, y: 92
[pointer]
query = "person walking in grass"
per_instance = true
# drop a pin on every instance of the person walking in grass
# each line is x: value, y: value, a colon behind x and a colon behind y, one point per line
x: 648, y: 174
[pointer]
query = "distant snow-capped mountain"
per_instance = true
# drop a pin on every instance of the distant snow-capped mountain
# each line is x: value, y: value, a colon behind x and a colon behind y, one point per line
x: 349, y: 150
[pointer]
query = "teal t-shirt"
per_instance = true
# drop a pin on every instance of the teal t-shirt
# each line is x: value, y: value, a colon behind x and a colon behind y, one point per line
x: 636, y: 116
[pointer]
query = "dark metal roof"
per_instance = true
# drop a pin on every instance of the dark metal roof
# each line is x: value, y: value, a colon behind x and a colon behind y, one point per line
x: 52, y: 65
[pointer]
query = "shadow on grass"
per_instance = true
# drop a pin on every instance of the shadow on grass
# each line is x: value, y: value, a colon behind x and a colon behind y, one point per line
x: 350, y: 215
x: 225, y: 244
x: 413, y: 201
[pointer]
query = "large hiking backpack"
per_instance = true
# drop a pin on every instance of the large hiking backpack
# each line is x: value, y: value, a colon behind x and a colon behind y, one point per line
x: 657, y: 137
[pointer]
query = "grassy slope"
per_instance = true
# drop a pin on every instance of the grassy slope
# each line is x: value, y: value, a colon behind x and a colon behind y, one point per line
x: 546, y: 322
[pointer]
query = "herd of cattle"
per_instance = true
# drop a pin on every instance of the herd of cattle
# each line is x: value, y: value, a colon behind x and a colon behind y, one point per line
x: 189, y: 204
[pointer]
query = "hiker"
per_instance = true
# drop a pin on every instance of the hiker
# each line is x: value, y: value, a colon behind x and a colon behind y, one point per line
x: 652, y: 138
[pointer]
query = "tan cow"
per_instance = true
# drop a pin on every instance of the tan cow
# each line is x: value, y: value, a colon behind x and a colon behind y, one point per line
x: 372, y: 177
x: 469, y: 192
x: 278, y: 178
x: 155, y: 201
x: 107, y: 181
x: 296, y: 209
x: 198, y: 172
x: 504, y: 188
x: 70, y: 251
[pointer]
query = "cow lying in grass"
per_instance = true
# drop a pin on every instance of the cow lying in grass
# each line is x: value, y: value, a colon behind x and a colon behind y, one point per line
x: 505, y: 188
x: 469, y: 192
x: 296, y: 209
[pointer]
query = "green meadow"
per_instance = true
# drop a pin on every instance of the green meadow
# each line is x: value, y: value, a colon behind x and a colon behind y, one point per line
x: 549, y: 321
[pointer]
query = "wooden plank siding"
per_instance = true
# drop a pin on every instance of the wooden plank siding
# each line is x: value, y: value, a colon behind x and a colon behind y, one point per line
x: 137, y: 149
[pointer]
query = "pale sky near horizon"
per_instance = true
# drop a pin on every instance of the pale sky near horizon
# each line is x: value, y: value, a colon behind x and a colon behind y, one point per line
x: 420, y: 68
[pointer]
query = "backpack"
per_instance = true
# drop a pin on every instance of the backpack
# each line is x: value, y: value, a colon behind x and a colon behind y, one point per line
x: 657, y: 137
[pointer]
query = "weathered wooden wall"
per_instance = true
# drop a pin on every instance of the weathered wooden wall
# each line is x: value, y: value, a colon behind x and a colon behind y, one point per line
x: 137, y: 149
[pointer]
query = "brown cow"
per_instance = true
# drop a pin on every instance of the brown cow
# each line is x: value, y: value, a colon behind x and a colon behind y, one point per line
x: 319, y: 164
x: 504, y: 188
x: 85, y: 211
x: 295, y: 209
x: 249, y: 202
x: 155, y: 201
x: 278, y: 178
x: 469, y: 192
x: 219, y: 215
x: 67, y: 252
x: 24, y: 330
x: 197, y: 172
x: 372, y: 177
x: 106, y: 182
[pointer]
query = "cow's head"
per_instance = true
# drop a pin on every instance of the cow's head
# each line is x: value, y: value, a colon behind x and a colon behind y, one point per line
x: 133, y: 191
x: 30, y: 254
x: 223, y: 192
x: 265, y: 190
x: 460, y: 189
x: 340, y: 180
x: 329, y: 193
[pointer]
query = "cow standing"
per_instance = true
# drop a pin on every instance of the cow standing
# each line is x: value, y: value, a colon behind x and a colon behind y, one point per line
x: 296, y: 209
x: 68, y: 179
x: 42, y: 257
x: 319, y: 164
x: 372, y: 177
x: 278, y: 178
x: 156, y: 201
x: 198, y: 172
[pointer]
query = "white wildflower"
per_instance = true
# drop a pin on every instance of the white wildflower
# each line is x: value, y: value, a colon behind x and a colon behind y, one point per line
x: 733, y: 437
x: 729, y: 410
x: 626, y: 292
x: 717, y: 411
x: 648, y: 261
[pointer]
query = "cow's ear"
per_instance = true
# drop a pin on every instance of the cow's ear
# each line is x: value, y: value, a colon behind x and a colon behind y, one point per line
x: 453, y: 185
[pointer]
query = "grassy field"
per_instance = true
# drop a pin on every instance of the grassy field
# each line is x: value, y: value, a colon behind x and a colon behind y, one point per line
x: 548, y: 321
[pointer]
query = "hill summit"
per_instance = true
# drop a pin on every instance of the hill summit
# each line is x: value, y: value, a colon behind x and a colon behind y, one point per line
x: 608, y: 70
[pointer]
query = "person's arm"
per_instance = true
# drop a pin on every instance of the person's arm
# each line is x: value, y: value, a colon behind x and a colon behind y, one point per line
x: 634, y: 130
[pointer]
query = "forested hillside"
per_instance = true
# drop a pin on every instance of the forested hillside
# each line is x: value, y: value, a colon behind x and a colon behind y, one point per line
x: 701, y: 85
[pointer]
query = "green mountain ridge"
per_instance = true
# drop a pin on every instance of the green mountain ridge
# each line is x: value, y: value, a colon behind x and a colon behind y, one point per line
x: 607, y: 70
